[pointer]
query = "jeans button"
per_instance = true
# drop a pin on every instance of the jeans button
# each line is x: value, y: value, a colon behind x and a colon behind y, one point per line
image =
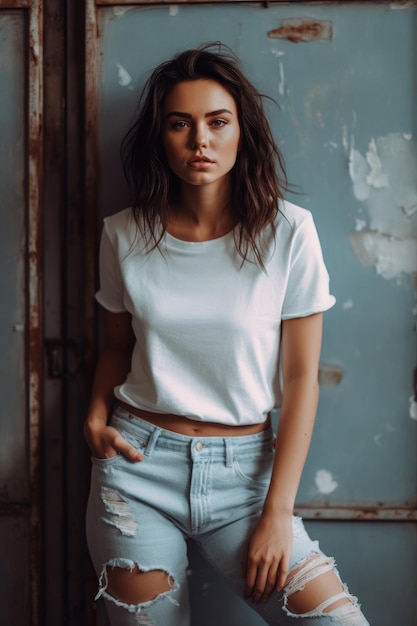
x: 199, y: 446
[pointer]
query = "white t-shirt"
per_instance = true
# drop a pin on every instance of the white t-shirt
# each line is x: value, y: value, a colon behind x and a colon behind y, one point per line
x: 207, y: 328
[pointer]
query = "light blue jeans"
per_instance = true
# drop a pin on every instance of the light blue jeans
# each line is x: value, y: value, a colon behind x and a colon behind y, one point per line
x: 210, y: 490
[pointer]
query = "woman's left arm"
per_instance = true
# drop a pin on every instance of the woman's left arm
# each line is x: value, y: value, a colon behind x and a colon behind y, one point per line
x: 266, y: 557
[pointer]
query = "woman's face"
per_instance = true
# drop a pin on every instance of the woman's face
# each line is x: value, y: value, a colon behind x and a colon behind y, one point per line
x: 201, y: 132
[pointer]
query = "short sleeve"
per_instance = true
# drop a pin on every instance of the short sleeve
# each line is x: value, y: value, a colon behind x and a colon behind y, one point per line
x: 308, y: 280
x: 111, y: 292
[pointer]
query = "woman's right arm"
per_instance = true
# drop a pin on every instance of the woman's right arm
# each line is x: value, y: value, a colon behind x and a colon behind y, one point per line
x: 112, y: 369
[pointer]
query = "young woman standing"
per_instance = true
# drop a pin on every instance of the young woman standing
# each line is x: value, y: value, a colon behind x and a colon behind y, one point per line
x: 214, y: 288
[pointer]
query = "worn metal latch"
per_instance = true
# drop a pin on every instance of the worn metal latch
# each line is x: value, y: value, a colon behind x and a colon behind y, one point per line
x: 60, y: 353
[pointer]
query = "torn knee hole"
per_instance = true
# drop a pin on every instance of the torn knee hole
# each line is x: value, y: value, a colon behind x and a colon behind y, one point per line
x: 131, y: 585
x: 315, y: 587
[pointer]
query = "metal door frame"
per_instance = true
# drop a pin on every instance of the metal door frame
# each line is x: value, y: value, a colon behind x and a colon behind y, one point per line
x: 342, y: 513
x: 66, y: 563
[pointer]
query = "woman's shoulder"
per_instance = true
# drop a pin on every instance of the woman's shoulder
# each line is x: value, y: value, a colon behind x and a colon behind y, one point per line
x: 291, y: 215
x: 122, y: 229
x: 120, y: 222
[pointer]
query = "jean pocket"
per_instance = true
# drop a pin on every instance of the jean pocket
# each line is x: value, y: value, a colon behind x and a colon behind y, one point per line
x: 137, y: 440
x: 254, y: 469
x: 112, y: 460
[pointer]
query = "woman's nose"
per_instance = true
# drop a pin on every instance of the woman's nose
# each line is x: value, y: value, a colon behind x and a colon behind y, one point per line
x: 199, y: 137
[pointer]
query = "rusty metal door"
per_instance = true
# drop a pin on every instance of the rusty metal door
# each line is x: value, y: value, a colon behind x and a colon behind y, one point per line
x: 44, y: 564
x: 344, y: 76
x: 20, y: 314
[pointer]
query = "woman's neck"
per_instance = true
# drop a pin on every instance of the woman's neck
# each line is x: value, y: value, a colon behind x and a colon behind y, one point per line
x: 201, y: 214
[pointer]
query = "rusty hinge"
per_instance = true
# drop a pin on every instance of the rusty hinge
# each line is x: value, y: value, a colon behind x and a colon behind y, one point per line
x: 60, y: 353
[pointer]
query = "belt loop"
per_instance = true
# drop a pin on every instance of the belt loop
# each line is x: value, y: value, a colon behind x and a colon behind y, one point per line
x: 229, y: 451
x: 152, y: 442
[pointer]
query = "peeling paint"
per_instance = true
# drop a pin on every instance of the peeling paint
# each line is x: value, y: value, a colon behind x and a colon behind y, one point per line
x: 413, y: 408
x: 385, y: 181
x: 124, y: 77
x: 347, y: 305
x: 281, y: 84
x: 277, y: 53
x: 360, y: 225
x: 120, y: 11
x: 325, y: 482
x: 390, y: 256
x: 330, y: 375
x: 303, y: 29
x: 345, y: 141
x: 376, y: 177
x: 332, y: 145
x: 174, y: 10
x: 358, y: 170
x: 377, y: 440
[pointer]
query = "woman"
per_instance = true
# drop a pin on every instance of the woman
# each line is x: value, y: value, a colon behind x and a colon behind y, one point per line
x: 209, y: 281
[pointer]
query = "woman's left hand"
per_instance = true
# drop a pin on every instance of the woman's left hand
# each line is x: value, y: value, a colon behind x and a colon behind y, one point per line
x: 266, y: 557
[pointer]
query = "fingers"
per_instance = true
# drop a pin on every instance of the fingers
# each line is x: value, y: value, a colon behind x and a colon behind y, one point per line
x: 269, y: 588
x: 110, y: 443
x: 123, y: 447
x: 260, y: 585
x: 261, y: 580
x: 282, y: 574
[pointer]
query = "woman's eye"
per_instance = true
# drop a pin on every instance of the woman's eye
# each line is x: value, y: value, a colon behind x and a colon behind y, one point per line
x: 179, y: 125
x: 219, y: 123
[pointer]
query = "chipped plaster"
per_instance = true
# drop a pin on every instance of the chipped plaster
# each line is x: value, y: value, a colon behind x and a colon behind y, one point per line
x: 385, y: 181
x: 124, y: 78
x: 325, y: 482
x: 413, y: 408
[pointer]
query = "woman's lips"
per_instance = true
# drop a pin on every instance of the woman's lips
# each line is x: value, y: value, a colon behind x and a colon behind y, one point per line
x: 200, y: 163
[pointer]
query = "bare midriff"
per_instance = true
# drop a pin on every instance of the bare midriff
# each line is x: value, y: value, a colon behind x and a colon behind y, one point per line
x: 192, y: 428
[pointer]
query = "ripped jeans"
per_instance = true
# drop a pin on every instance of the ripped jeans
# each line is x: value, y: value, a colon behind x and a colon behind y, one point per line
x: 211, y: 490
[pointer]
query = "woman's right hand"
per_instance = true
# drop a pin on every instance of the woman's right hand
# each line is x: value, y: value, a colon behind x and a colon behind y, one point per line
x: 105, y: 442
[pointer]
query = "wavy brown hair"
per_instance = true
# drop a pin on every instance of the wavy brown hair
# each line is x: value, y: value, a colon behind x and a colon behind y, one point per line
x: 258, y: 176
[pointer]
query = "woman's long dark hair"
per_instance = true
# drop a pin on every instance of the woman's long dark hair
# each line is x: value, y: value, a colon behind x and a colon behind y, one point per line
x: 258, y: 176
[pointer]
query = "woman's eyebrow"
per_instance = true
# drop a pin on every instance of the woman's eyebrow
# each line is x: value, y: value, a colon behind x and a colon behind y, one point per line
x: 218, y: 112
x: 188, y: 115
